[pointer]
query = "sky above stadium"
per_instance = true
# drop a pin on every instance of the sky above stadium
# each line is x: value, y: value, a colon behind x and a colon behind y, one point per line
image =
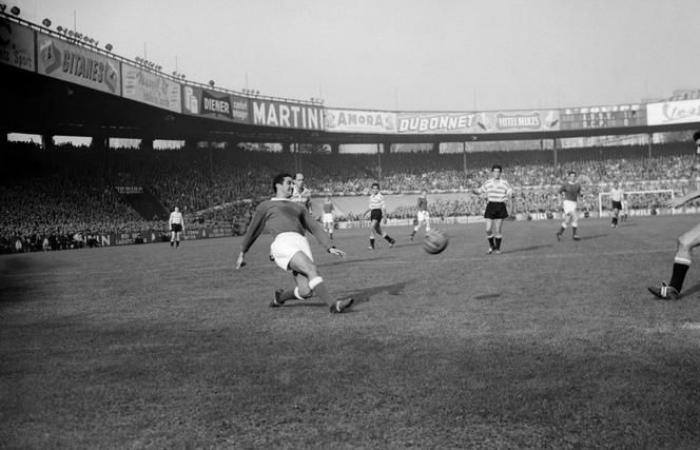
x: 407, y: 54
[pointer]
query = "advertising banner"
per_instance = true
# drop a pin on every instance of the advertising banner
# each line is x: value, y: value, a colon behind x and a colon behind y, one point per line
x: 664, y: 113
x: 443, y: 123
x: 477, y: 123
x: 17, y: 45
x: 286, y: 115
x: 68, y: 62
x: 214, y: 105
x: 602, y: 117
x: 518, y: 121
x: 351, y: 120
x: 147, y: 87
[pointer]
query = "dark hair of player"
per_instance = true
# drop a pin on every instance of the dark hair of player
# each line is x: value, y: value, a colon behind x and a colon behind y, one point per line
x: 375, y: 184
x: 696, y: 135
x: 496, y: 166
x: 571, y: 172
x: 279, y: 179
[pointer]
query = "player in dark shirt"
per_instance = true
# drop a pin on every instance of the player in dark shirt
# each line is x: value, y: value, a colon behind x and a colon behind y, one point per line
x: 571, y: 190
x: 288, y: 221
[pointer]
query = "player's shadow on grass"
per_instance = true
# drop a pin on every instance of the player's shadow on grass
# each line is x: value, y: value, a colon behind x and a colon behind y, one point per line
x: 527, y: 249
x: 364, y: 295
x: 593, y: 236
x: 692, y: 290
x: 348, y: 261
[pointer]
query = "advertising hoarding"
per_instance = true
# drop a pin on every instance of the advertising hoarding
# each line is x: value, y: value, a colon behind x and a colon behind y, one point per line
x: 358, y: 121
x: 215, y: 105
x: 17, y: 45
x: 148, y: 87
x: 69, y: 62
x: 273, y: 113
x: 665, y: 113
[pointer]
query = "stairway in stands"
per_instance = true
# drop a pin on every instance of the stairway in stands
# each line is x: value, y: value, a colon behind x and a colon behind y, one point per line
x: 147, y: 205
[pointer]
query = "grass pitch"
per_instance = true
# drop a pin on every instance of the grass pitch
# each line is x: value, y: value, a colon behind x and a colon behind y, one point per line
x: 549, y: 345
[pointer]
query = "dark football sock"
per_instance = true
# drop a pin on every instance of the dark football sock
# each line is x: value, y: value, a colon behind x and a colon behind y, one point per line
x: 678, y: 275
x: 371, y: 242
x: 497, y: 242
x: 492, y: 244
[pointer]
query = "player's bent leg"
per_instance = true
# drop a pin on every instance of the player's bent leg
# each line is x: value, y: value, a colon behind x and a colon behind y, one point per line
x: 681, y: 263
x: 302, y: 264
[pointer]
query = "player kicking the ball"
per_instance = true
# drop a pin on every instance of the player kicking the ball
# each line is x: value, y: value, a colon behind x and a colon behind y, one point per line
x: 288, y: 221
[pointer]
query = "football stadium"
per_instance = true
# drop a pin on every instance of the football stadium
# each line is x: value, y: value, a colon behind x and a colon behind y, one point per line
x: 126, y: 320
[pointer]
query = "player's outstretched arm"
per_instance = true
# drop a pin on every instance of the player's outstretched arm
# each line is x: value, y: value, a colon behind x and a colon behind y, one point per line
x: 679, y: 201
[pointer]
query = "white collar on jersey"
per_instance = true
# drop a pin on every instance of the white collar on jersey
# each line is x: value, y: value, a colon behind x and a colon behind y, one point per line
x: 279, y: 199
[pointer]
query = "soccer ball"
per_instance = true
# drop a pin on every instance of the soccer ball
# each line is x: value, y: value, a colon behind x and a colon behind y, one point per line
x: 435, y: 242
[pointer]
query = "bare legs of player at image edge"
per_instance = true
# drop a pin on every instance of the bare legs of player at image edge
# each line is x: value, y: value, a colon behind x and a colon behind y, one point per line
x: 417, y: 226
x: 681, y: 263
x: 376, y: 229
x: 569, y: 218
x: 493, y: 235
x: 308, y: 284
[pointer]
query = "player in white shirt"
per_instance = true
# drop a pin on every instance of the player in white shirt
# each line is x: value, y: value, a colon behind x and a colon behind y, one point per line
x: 177, y: 226
x: 497, y: 191
x: 617, y: 194
x: 377, y: 211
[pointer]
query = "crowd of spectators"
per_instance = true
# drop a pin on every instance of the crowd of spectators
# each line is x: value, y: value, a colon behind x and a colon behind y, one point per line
x: 64, y: 197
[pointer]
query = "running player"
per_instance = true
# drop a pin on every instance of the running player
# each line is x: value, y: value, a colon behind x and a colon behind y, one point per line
x: 497, y: 191
x: 686, y: 242
x: 327, y: 218
x: 616, y: 196
x: 176, y: 223
x: 571, y: 190
x: 422, y: 216
x: 288, y: 221
x: 377, y: 211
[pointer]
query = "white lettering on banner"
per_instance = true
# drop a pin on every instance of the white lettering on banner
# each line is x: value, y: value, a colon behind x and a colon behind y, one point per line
x: 442, y: 123
x: 283, y: 115
x: 216, y: 106
x: 518, y: 121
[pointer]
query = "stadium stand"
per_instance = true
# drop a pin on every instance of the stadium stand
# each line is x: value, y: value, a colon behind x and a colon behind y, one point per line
x: 65, y: 197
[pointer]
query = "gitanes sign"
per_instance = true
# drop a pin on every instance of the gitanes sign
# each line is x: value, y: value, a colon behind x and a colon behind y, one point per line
x: 68, y: 62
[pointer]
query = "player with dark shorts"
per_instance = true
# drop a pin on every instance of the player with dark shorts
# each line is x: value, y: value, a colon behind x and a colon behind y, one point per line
x: 497, y: 191
x: 616, y: 196
x: 376, y: 214
x: 176, y: 222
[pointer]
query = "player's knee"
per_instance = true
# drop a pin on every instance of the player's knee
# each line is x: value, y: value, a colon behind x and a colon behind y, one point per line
x: 303, y: 292
x: 685, y: 242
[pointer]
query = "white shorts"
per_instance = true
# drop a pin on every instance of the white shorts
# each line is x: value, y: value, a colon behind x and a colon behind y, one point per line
x: 423, y: 216
x: 569, y: 207
x: 287, y: 245
x: 327, y: 218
